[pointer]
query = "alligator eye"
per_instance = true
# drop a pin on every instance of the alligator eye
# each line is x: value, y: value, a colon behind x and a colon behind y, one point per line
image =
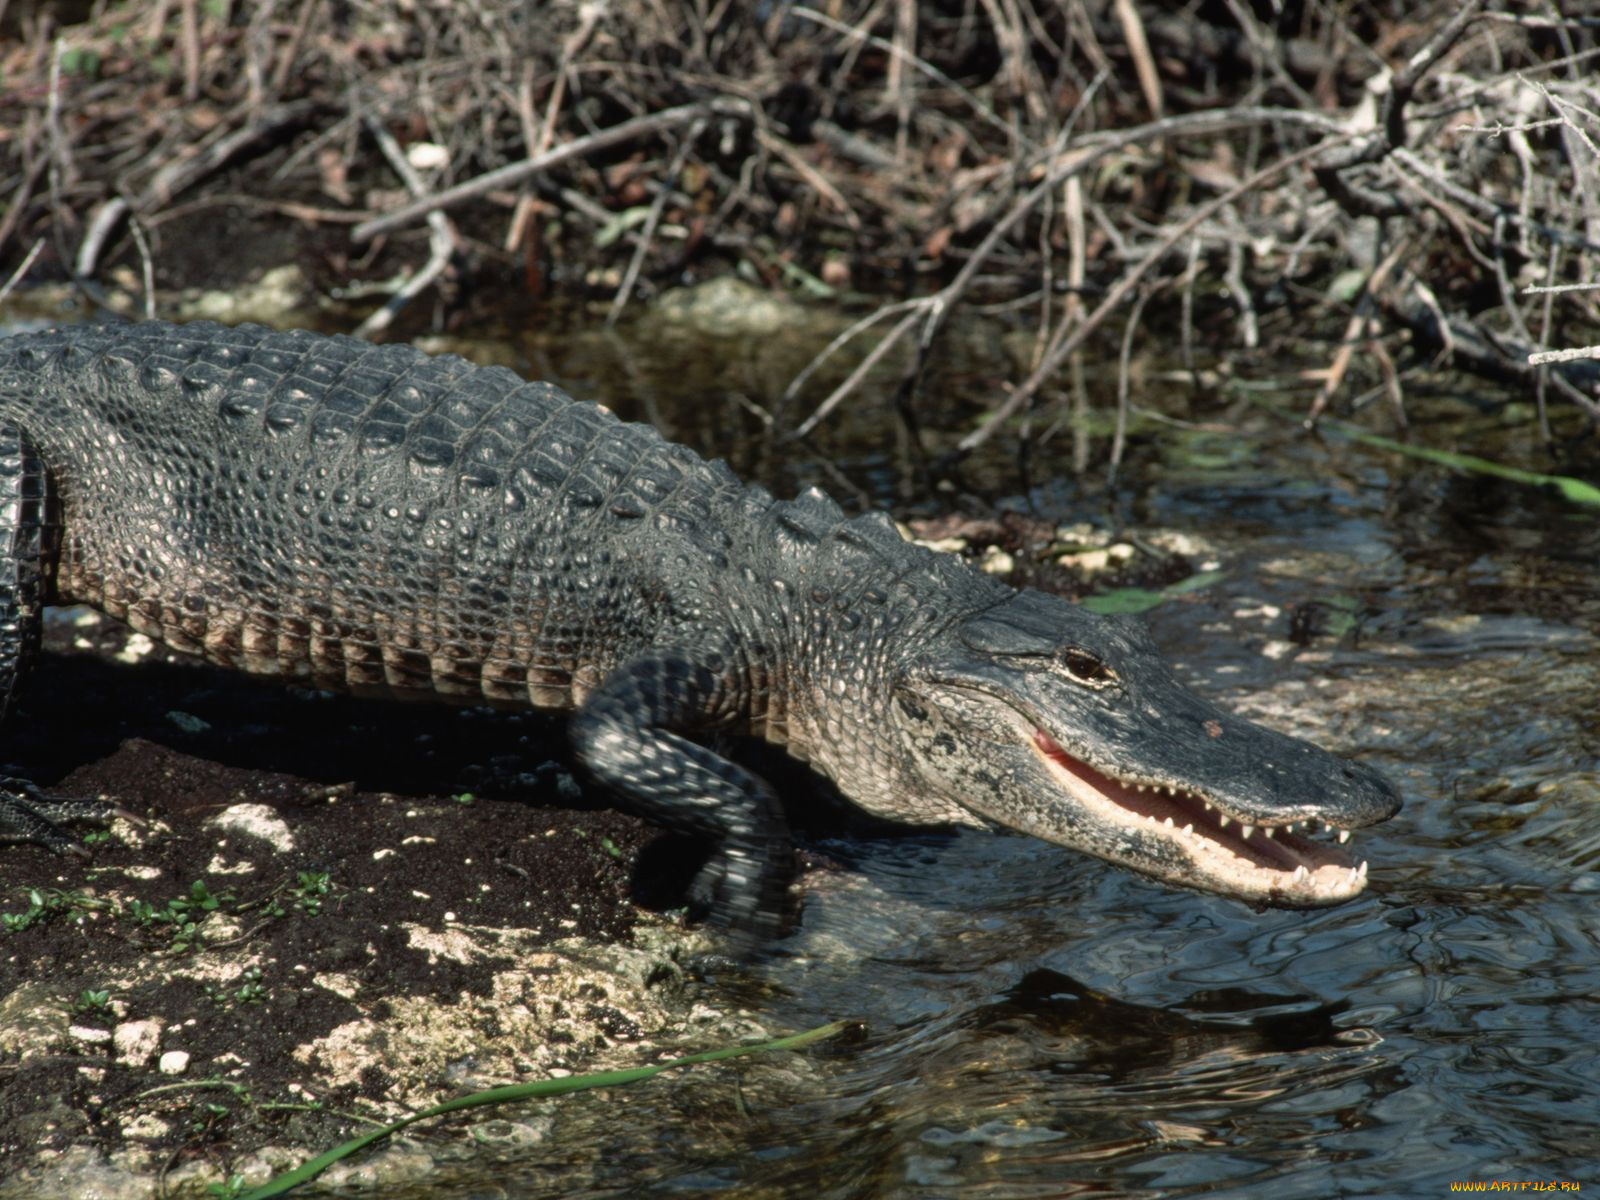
x: 1086, y: 668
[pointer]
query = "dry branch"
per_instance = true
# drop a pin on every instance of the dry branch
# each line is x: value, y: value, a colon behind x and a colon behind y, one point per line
x: 441, y: 240
x: 1065, y: 345
x: 991, y: 157
x: 514, y: 173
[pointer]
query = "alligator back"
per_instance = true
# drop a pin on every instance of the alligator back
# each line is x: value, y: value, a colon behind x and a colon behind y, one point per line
x: 369, y: 517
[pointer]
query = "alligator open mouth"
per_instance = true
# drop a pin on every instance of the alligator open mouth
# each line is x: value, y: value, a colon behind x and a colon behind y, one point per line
x: 1223, y: 852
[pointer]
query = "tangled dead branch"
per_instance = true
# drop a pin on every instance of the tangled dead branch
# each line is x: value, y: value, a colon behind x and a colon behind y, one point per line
x: 1032, y: 153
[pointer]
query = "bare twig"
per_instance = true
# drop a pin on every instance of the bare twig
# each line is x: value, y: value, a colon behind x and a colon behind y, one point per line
x: 1356, y: 332
x: 1390, y: 136
x: 1546, y: 324
x: 588, y: 16
x: 986, y: 113
x: 22, y: 269
x: 182, y: 173
x: 242, y: 131
x: 1144, y: 63
x: 1124, y: 375
x: 191, y: 50
x: 1090, y: 152
x: 441, y: 239
x: 902, y: 327
x: 1239, y: 290
x: 1575, y: 354
x: 291, y: 51
x: 855, y: 330
x: 106, y: 218
x: 1117, y: 294
x: 147, y: 270
x: 1538, y: 290
x: 773, y: 143
x: 646, y: 235
x: 577, y: 148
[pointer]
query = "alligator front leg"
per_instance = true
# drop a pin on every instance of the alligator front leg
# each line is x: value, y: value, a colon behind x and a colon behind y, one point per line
x: 26, y: 815
x: 630, y: 735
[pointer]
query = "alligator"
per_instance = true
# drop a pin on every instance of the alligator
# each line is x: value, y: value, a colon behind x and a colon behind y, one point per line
x: 376, y: 520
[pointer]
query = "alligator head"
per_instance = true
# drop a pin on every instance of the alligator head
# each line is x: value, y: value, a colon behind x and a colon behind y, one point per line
x: 1048, y: 719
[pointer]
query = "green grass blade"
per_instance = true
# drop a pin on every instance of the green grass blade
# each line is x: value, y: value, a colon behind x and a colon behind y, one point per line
x: 1575, y: 490
x: 513, y: 1093
x: 1138, y: 600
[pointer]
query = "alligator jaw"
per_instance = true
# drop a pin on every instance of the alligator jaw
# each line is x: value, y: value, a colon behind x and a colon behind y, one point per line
x: 1222, y: 854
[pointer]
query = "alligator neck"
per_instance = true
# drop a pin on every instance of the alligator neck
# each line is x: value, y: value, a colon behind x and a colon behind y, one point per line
x: 821, y: 630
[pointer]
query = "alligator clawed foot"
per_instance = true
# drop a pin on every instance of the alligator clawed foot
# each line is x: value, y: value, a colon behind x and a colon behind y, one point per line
x: 748, y: 896
x: 28, y: 815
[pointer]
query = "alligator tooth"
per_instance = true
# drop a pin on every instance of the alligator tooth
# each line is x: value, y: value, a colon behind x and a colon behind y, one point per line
x: 1189, y: 828
x: 1207, y: 803
x: 1169, y: 822
x: 1269, y: 831
x: 1363, y: 868
x: 1223, y: 817
x: 1289, y: 828
x: 1344, y: 836
x: 1301, y: 874
x: 1248, y: 830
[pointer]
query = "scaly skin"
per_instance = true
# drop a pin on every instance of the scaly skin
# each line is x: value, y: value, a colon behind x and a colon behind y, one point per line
x: 370, y: 519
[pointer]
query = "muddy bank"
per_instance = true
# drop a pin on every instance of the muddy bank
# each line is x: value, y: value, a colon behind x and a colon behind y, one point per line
x: 331, y: 911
